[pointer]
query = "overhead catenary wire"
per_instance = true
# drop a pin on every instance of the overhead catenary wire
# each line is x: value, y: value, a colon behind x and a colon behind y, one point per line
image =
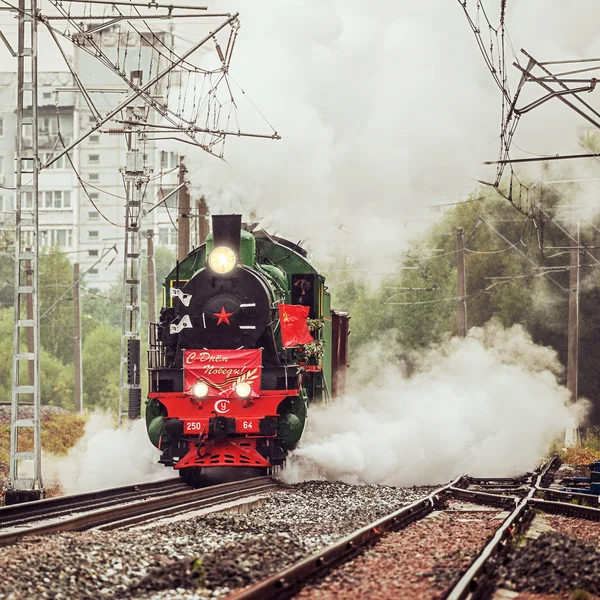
x: 77, y: 175
x: 100, y: 259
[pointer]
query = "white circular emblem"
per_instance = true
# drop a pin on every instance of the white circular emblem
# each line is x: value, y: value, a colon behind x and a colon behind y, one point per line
x: 222, y: 406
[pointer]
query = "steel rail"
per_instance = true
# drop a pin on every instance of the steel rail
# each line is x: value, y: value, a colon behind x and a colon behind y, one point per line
x: 479, y: 580
x: 50, y: 511
x: 542, y: 489
x: 478, y: 577
x: 486, y: 498
x: 36, y: 507
x: 134, y: 509
x: 567, y: 509
x: 224, y: 498
x: 569, y: 497
x: 288, y: 582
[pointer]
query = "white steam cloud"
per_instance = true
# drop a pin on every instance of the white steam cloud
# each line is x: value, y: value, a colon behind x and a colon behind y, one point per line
x: 383, y: 110
x: 489, y: 404
x: 107, y: 457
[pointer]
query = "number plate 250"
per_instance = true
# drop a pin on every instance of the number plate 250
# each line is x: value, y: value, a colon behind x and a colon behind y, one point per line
x: 193, y: 426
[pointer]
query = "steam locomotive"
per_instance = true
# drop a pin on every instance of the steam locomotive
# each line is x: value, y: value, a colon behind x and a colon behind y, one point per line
x: 246, y: 341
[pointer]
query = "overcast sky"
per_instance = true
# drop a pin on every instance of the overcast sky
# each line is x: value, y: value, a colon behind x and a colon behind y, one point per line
x: 384, y: 109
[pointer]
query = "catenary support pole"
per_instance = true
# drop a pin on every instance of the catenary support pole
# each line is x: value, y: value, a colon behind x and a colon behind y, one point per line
x: 26, y: 483
x: 136, y: 177
x: 77, y: 365
x: 203, y: 220
x: 151, y: 278
x: 29, y: 313
x: 572, y: 435
x: 183, y: 218
x: 460, y: 264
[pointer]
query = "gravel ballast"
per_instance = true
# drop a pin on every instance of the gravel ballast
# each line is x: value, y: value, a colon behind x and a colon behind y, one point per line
x: 554, y: 564
x: 421, y: 561
x: 201, y: 557
x: 564, y: 557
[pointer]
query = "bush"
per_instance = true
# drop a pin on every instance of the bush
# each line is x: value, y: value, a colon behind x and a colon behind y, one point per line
x: 579, y: 455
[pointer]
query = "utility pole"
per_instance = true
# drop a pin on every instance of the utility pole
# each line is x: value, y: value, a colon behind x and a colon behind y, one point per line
x: 77, y: 366
x: 183, y: 215
x: 460, y: 264
x: 151, y: 278
x: 573, y: 334
x: 26, y: 329
x: 203, y: 220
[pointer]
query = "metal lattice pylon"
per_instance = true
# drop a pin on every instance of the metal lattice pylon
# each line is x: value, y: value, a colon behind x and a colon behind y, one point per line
x: 26, y: 326
x: 136, y: 180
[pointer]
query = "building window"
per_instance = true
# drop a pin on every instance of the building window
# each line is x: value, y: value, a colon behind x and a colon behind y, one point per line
x: 91, y: 119
x: 94, y: 196
x: 27, y: 239
x: 94, y: 159
x: 47, y: 126
x: 93, y: 272
x: 172, y: 200
x: 168, y: 160
x: 136, y: 77
x: 57, y: 237
x: 1, y: 126
x: 92, y: 253
x: 93, y: 177
x: 93, y: 215
x: 61, y: 163
x: 26, y: 200
x: 55, y: 199
x: 93, y: 235
x: 47, y: 95
x: 6, y: 207
x: 167, y: 236
x: 94, y: 139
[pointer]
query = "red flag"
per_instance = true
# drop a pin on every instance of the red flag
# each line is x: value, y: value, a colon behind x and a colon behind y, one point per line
x: 294, y: 329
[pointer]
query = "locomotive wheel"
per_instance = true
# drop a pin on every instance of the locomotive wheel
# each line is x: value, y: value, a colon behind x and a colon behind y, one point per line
x: 192, y: 476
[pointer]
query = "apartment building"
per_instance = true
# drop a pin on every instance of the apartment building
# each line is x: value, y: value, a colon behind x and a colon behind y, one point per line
x: 82, y: 196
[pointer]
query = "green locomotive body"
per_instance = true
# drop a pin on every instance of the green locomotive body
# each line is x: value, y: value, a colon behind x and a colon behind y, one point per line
x: 225, y: 298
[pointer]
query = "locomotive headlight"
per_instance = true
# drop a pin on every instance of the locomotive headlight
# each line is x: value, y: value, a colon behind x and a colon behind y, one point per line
x: 243, y: 390
x: 221, y: 259
x: 199, y: 389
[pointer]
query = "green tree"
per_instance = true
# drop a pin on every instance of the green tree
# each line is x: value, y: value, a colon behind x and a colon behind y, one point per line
x: 56, y: 378
x: 101, y: 359
x: 56, y: 304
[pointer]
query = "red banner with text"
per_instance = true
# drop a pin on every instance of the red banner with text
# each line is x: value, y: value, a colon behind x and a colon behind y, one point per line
x: 222, y: 370
x: 294, y: 329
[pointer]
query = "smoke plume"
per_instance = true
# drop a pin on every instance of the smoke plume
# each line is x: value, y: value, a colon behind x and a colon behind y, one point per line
x: 107, y: 457
x: 489, y: 404
x: 383, y: 112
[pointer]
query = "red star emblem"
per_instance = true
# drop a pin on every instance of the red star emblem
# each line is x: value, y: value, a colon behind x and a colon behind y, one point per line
x: 223, y: 316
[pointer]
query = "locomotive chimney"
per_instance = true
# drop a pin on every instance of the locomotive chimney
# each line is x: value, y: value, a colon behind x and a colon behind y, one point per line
x: 226, y: 231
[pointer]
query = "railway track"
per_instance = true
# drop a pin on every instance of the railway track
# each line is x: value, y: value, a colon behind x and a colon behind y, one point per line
x: 503, y: 510
x: 514, y: 503
x: 123, y: 507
